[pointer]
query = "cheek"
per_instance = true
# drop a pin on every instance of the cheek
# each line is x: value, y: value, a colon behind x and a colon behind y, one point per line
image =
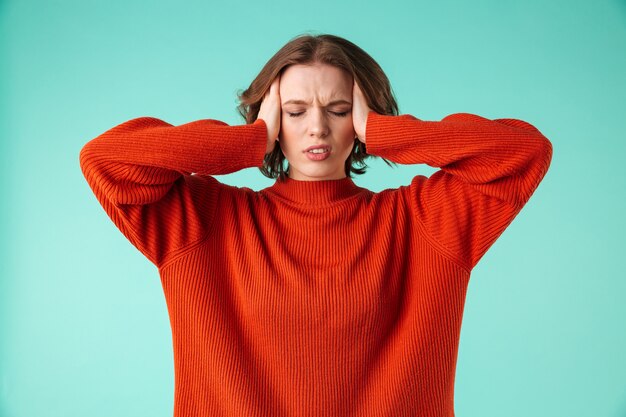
x: 347, y: 125
x: 287, y: 138
x: 287, y: 126
x: 347, y: 131
x: 286, y: 132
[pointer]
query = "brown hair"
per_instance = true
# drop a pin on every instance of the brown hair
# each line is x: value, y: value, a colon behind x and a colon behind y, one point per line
x: 328, y: 49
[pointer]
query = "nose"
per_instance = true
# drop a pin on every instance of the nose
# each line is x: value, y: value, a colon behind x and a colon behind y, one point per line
x: 318, y: 123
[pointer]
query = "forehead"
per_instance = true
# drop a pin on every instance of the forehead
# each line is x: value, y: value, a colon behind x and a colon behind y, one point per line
x: 318, y: 81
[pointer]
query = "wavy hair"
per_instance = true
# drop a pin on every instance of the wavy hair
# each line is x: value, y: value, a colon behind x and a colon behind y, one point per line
x: 308, y: 49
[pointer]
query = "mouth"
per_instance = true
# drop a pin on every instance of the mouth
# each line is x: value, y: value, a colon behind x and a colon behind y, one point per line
x: 317, y: 149
x: 317, y: 153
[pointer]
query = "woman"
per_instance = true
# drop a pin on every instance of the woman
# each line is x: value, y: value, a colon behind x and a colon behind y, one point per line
x: 315, y: 296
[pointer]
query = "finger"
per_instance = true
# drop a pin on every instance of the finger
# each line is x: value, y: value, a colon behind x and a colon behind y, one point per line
x: 274, y: 86
x: 357, y: 91
x: 270, y: 90
x: 356, y: 100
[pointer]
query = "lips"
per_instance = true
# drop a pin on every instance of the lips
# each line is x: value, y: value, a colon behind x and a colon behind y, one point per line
x: 317, y: 147
x: 319, y: 156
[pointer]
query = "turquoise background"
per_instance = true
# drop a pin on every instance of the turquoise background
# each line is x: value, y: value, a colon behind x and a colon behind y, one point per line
x: 84, y: 326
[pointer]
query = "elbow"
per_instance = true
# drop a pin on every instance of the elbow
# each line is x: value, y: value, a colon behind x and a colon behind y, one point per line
x: 84, y: 157
x: 546, y: 151
x: 543, y: 153
x: 536, y: 170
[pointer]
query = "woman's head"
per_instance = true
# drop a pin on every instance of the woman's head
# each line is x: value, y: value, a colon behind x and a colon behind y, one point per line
x: 312, y: 68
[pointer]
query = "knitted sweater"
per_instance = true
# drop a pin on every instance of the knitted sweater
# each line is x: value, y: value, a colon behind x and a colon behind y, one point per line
x: 315, y: 298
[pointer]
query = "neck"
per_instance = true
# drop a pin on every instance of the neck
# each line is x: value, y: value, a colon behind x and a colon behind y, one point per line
x: 315, y: 192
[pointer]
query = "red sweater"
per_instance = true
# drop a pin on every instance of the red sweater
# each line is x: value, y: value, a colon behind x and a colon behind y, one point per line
x: 315, y: 298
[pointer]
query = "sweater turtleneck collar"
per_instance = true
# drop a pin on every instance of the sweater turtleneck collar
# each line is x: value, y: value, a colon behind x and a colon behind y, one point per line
x: 315, y: 192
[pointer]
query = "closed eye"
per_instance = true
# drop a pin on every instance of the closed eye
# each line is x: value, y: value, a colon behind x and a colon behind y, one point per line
x: 338, y: 114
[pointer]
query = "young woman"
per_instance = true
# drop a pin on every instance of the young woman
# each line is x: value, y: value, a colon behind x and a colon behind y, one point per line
x: 315, y: 297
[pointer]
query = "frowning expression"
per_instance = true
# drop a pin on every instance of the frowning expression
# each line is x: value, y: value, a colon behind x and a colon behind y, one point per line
x: 316, y: 103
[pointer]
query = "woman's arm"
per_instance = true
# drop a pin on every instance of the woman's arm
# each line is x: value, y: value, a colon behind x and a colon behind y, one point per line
x: 140, y: 172
x: 489, y: 170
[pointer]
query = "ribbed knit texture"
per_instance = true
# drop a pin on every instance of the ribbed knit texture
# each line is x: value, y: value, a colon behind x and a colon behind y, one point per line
x: 315, y: 298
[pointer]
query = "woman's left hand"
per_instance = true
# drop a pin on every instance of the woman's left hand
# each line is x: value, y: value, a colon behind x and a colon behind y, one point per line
x: 360, y: 110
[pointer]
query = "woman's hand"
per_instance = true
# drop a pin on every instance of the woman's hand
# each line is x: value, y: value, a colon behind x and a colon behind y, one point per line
x: 270, y: 112
x: 360, y: 110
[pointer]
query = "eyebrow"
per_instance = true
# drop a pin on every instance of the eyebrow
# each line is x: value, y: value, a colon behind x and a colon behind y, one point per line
x: 329, y: 104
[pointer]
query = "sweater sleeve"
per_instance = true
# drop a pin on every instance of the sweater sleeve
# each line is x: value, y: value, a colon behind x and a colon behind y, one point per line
x: 488, y: 171
x: 154, y: 179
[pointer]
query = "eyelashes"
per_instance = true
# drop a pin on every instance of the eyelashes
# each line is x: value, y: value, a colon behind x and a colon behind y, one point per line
x: 338, y: 114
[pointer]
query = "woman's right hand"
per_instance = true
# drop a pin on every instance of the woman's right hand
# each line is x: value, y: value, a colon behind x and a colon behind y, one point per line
x: 271, y: 112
